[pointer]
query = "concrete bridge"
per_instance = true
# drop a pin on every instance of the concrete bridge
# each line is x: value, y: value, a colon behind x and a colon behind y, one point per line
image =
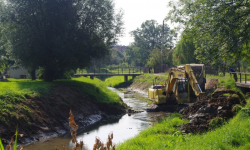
x: 115, y: 71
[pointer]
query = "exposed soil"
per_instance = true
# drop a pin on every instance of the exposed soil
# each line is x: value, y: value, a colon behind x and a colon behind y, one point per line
x: 49, y: 114
x: 220, y: 104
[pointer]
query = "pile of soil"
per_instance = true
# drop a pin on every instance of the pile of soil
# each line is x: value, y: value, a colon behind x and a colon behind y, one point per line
x: 220, y: 104
x: 211, y: 84
x: 49, y: 114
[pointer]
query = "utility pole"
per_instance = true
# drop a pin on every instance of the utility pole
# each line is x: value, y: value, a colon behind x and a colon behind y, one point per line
x: 162, y: 45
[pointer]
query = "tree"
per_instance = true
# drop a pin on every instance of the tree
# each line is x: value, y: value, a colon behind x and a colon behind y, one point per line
x: 146, y: 39
x: 60, y: 35
x: 184, y: 51
x: 155, y: 57
x: 220, y: 28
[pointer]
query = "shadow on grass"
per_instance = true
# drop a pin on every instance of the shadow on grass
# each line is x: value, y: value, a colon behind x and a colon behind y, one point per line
x: 124, y: 84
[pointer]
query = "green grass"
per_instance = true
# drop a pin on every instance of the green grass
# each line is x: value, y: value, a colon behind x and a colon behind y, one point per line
x: 233, y: 135
x: 14, y: 95
x: 150, y: 77
x: 220, y: 77
x: 229, y: 84
x: 95, y: 88
x: 118, y: 81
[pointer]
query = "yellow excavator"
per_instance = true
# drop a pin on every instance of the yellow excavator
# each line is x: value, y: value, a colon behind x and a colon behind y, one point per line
x: 184, y: 84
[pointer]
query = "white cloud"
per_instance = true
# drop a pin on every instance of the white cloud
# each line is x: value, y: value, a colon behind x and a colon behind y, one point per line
x: 138, y: 11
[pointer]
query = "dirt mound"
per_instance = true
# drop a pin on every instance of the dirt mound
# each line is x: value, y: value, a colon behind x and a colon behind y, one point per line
x: 220, y: 104
x: 211, y: 83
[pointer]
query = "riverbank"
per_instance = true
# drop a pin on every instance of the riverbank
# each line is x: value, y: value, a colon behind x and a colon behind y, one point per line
x: 41, y: 109
x: 221, y: 134
x: 140, y: 83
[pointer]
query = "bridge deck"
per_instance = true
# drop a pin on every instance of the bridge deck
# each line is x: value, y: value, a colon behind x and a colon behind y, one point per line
x: 243, y: 84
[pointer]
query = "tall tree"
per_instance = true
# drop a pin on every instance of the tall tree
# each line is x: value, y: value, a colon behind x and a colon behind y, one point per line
x: 146, y: 39
x: 60, y: 35
x: 184, y: 51
x: 155, y: 57
x: 220, y: 28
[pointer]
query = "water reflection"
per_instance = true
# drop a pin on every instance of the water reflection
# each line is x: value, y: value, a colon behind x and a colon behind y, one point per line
x: 127, y: 127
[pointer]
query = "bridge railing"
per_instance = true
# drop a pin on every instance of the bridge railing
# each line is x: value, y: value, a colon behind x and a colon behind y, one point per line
x: 111, y: 70
x: 241, y: 77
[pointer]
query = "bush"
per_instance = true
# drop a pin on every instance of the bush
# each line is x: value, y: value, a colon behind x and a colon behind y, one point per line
x: 237, y: 108
x: 216, y: 122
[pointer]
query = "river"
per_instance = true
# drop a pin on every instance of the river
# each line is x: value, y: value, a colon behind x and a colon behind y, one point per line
x: 126, y: 127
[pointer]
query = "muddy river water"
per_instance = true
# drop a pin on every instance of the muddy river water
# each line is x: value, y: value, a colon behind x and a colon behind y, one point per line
x: 126, y: 127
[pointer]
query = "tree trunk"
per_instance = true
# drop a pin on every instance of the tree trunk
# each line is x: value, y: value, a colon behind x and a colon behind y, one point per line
x: 48, y: 74
x: 33, y: 74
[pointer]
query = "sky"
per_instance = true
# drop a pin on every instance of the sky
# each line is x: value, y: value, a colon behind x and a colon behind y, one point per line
x: 138, y: 11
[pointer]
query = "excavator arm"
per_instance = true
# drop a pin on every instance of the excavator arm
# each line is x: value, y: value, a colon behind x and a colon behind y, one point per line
x: 193, y: 82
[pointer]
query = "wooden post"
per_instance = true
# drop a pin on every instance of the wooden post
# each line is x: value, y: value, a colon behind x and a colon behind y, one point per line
x: 240, y: 77
x: 245, y: 78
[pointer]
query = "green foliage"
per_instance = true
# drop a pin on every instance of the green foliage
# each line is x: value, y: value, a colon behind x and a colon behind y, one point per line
x: 115, y: 57
x: 184, y: 51
x: 237, y: 108
x: 221, y: 74
x: 1, y: 145
x: 155, y: 57
x: 246, y: 111
x: 216, y: 122
x: 147, y: 38
x: 229, y: 84
x: 220, y: 28
x: 15, y: 145
x: 59, y: 35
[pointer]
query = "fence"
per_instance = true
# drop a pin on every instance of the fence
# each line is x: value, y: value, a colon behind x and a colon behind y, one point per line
x: 111, y: 70
x: 241, y: 77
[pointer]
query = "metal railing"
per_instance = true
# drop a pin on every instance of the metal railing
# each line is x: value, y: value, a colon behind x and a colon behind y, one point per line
x: 111, y: 70
x: 241, y: 76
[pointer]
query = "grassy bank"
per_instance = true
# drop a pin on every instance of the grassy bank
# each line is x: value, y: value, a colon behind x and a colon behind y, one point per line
x: 15, y: 95
x: 234, y: 134
x: 166, y: 135
x: 118, y: 81
x: 145, y: 79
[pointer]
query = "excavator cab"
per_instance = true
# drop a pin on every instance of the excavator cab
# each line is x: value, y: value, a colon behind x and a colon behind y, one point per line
x: 182, y: 90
